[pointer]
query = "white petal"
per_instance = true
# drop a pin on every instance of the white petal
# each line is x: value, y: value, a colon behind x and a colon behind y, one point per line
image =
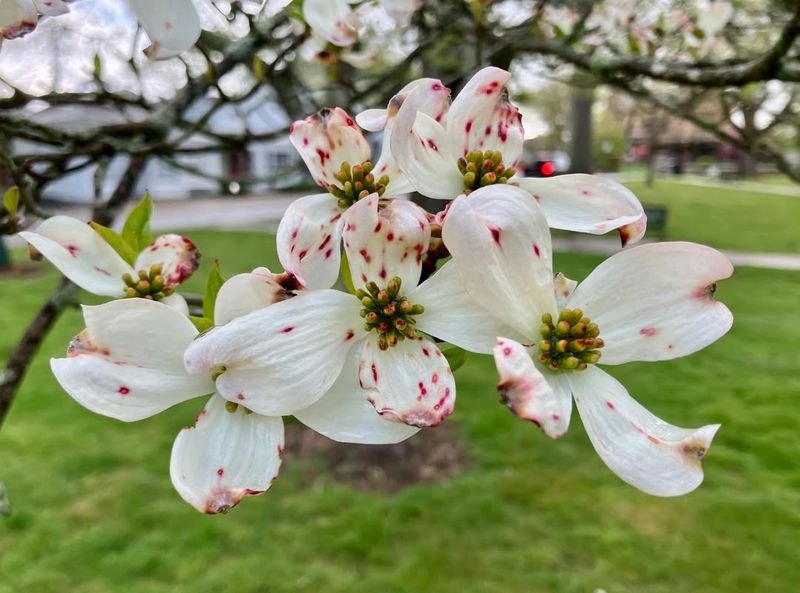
x: 545, y: 401
x: 643, y: 450
x: 385, y: 242
x: 586, y: 204
x: 225, y: 456
x: 284, y: 357
x: 331, y: 19
x: 482, y: 118
x: 308, y: 240
x: 655, y: 301
x: 327, y: 139
x: 344, y: 414
x: 128, y: 362
x: 564, y: 288
x: 419, y: 145
x: 17, y: 18
x: 453, y: 316
x: 176, y: 302
x: 80, y: 254
x: 177, y: 255
x: 500, y: 244
x: 410, y: 382
x: 372, y: 120
x: 173, y: 27
x: 245, y: 293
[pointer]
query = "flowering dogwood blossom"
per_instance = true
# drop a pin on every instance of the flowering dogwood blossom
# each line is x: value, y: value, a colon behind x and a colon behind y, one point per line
x: 83, y: 256
x: 173, y: 27
x: 289, y: 355
x: 336, y: 22
x: 653, y: 302
x: 480, y: 144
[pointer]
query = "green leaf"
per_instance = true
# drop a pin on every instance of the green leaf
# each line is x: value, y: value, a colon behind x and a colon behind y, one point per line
x: 455, y: 356
x: 214, y: 283
x: 347, y: 277
x: 136, y: 231
x: 201, y: 323
x: 11, y: 200
x: 125, y: 251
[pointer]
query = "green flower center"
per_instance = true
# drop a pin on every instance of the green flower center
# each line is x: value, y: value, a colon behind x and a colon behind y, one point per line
x: 483, y: 168
x: 388, y: 313
x: 147, y: 284
x: 572, y: 343
x: 357, y: 182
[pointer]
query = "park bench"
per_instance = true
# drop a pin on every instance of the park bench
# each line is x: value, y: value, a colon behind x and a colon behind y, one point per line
x: 656, y: 221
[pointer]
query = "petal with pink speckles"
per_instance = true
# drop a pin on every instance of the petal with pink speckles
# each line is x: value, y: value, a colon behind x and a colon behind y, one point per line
x: 282, y: 358
x: 482, y: 118
x: 80, y: 254
x: 225, y: 456
x: 333, y: 20
x: 564, y: 287
x: 17, y: 19
x: 588, y: 204
x: 344, y: 414
x: 327, y: 139
x: 128, y: 362
x: 51, y: 7
x: 245, y: 293
x: 173, y: 27
x: 655, y: 301
x: 309, y: 240
x: 545, y: 401
x: 500, y: 244
x: 643, y: 450
x: 385, y: 242
x: 410, y: 383
x: 177, y: 255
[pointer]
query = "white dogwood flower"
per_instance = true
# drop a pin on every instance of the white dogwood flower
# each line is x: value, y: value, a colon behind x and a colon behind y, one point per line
x: 83, y: 256
x: 480, y: 144
x: 336, y: 22
x: 290, y: 354
x: 173, y: 27
x: 653, y: 302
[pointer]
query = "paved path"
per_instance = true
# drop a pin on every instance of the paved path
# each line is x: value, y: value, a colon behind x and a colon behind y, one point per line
x: 733, y: 185
x: 263, y: 212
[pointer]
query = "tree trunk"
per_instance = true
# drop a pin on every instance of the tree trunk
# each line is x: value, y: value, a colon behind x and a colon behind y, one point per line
x: 582, y: 100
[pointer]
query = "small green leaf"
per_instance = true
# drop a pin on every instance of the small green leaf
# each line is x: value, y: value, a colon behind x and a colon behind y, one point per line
x: 98, y: 66
x: 125, y: 251
x: 347, y: 277
x: 136, y: 231
x: 455, y: 356
x: 214, y: 283
x: 11, y: 200
x: 201, y: 323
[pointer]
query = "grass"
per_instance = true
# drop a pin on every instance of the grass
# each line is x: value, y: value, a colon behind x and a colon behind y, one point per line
x: 726, y: 218
x: 94, y: 510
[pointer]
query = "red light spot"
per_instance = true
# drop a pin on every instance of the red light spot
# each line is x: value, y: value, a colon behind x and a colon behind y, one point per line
x: 547, y: 168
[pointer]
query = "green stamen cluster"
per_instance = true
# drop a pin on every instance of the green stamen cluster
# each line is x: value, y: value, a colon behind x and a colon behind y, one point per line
x: 483, y: 168
x: 147, y: 284
x: 231, y: 407
x: 572, y: 343
x: 387, y: 313
x: 357, y: 182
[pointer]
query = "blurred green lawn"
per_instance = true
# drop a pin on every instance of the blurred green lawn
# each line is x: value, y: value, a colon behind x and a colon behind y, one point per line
x: 94, y: 510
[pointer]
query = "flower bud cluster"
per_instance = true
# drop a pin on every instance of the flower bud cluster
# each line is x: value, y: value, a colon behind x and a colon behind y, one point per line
x: 571, y: 343
x: 388, y: 313
x: 357, y: 182
x: 147, y: 284
x: 483, y: 168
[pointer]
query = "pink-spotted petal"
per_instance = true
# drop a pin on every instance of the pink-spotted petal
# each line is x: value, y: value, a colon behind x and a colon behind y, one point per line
x: 344, y: 414
x: 655, y: 301
x: 177, y: 255
x: 245, y: 293
x: 385, y: 241
x: 564, y: 288
x: 410, y: 383
x: 128, y: 362
x: 225, y: 456
x: 500, y: 244
x: 333, y: 20
x: 173, y: 27
x: 643, y: 450
x: 588, y: 204
x: 309, y: 240
x: 452, y: 315
x: 283, y: 358
x: 482, y: 118
x: 327, y: 139
x: 523, y: 388
x: 80, y: 254
x: 50, y: 7
x: 17, y: 19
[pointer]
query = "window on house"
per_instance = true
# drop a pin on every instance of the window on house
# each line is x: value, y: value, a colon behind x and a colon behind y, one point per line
x: 237, y: 164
